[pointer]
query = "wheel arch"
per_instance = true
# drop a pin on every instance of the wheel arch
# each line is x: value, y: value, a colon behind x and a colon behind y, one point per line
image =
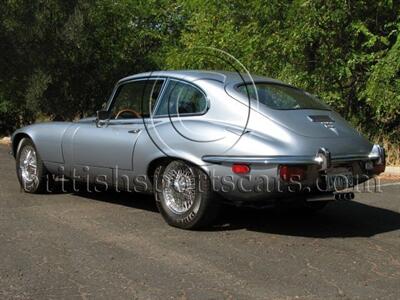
x: 154, y: 164
x: 16, y: 141
x: 167, y: 159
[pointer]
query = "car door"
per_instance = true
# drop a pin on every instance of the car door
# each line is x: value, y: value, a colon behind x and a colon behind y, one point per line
x: 106, y: 150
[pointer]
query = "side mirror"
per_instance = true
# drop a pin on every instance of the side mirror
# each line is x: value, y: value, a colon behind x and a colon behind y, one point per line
x: 102, y: 117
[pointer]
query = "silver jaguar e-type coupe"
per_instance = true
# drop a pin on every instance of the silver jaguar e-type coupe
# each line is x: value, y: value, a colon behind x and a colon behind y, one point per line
x: 196, y: 138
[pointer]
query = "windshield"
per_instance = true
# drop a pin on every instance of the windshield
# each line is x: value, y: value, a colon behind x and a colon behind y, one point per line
x: 277, y: 96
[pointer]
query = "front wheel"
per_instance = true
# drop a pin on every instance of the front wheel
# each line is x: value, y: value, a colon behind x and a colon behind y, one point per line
x: 184, y: 195
x: 31, y: 172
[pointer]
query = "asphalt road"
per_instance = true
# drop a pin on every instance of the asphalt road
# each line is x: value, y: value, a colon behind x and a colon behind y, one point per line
x: 113, y: 246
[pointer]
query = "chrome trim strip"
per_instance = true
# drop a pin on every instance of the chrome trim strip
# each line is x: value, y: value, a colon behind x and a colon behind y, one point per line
x: 263, y: 160
x: 287, y: 160
x: 351, y: 157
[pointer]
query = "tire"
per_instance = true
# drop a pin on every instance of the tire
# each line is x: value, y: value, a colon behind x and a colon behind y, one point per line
x: 32, y: 175
x: 184, y: 195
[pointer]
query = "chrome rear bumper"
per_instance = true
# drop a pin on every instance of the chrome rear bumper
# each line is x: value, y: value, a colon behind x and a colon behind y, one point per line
x: 323, y: 158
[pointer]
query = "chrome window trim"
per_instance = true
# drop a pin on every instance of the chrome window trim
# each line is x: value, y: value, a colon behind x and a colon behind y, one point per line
x: 203, y: 112
x: 122, y: 83
x: 237, y: 85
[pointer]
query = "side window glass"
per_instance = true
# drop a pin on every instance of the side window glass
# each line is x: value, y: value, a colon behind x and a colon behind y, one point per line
x: 181, y: 98
x: 136, y: 99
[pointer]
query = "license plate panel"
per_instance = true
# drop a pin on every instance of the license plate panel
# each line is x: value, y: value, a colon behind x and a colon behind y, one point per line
x: 339, y: 181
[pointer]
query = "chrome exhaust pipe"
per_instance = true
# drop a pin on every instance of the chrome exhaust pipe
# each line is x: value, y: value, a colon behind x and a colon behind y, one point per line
x: 344, y: 196
x: 320, y: 198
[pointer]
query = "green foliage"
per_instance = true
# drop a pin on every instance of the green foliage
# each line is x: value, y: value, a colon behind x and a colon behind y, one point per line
x: 382, y: 91
x: 61, y: 58
x: 345, y: 52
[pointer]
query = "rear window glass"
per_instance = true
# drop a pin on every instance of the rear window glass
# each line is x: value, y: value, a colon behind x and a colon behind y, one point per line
x: 281, y: 97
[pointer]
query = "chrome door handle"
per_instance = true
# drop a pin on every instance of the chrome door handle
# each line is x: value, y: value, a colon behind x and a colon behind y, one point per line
x: 134, y: 131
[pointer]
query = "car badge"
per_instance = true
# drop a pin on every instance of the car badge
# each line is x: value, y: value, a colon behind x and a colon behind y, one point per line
x: 330, y: 126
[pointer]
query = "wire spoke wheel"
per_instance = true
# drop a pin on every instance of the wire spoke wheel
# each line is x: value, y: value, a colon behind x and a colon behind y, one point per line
x: 28, y: 166
x: 179, y: 187
x: 32, y: 174
x: 184, y: 196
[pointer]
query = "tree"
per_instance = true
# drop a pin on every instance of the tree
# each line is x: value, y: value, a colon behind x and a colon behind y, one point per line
x: 60, y: 59
x: 343, y: 51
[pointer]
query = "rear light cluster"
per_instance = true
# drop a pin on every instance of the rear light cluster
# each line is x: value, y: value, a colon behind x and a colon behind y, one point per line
x: 379, y: 168
x: 286, y: 173
x: 292, y: 173
x: 240, y: 169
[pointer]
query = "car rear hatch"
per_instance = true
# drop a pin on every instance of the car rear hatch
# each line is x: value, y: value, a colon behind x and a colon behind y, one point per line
x: 313, y: 123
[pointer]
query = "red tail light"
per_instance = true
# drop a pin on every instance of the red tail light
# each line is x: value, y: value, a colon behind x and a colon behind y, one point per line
x: 288, y: 173
x: 378, y: 169
x: 240, y: 168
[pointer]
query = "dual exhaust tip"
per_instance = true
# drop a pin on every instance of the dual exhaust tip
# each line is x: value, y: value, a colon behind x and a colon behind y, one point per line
x: 344, y: 196
x: 339, y: 196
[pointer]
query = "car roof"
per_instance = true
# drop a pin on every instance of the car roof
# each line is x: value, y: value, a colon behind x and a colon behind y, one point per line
x: 193, y: 75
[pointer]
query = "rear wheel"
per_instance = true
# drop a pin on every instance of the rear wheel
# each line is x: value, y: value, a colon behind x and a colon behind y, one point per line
x: 184, y: 195
x: 31, y: 172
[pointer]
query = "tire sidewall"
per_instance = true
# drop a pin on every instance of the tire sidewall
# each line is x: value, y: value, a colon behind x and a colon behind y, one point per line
x: 193, y: 216
x: 36, y: 187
